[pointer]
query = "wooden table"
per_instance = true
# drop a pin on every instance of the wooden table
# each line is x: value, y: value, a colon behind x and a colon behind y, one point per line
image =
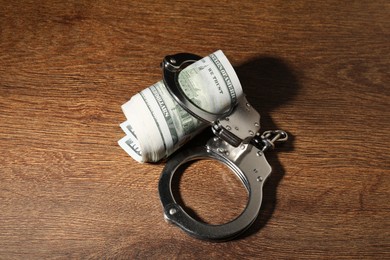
x: 318, y: 70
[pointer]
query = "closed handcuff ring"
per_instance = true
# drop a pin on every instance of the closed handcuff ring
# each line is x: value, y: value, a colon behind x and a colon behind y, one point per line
x: 237, y: 144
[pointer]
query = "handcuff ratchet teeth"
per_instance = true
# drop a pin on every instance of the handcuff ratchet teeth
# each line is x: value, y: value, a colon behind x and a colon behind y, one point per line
x: 237, y: 144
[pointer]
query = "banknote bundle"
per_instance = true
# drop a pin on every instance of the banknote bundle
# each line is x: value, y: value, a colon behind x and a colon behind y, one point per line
x: 157, y: 125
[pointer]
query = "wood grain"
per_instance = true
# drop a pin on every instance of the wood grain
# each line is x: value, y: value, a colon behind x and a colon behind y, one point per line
x: 319, y: 70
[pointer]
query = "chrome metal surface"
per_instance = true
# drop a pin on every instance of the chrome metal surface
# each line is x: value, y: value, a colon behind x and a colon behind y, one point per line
x: 240, y: 126
x: 245, y: 163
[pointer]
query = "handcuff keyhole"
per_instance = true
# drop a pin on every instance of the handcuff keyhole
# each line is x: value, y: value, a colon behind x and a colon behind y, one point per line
x: 209, y: 191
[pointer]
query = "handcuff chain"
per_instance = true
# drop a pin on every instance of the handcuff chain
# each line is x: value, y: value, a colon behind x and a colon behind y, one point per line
x: 268, y: 139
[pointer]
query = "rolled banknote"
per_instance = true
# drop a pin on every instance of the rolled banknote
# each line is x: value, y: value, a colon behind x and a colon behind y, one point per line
x: 157, y: 125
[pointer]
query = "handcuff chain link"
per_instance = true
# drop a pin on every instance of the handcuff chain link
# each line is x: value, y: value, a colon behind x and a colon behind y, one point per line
x: 268, y: 139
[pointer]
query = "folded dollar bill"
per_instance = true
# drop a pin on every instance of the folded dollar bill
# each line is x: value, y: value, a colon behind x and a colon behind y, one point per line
x: 157, y: 125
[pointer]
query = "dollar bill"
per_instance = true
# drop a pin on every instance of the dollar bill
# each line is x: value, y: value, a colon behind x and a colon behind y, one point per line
x: 157, y: 125
x: 211, y: 83
x: 128, y: 129
x: 130, y: 144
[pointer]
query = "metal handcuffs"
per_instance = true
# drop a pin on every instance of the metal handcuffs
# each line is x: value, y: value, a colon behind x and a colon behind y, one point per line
x: 237, y: 144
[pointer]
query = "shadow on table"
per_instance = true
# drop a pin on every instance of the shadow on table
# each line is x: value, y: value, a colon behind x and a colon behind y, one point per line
x: 269, y: 83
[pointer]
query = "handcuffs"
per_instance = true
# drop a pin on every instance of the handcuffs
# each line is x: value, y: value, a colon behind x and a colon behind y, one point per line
x: 237, y: 144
